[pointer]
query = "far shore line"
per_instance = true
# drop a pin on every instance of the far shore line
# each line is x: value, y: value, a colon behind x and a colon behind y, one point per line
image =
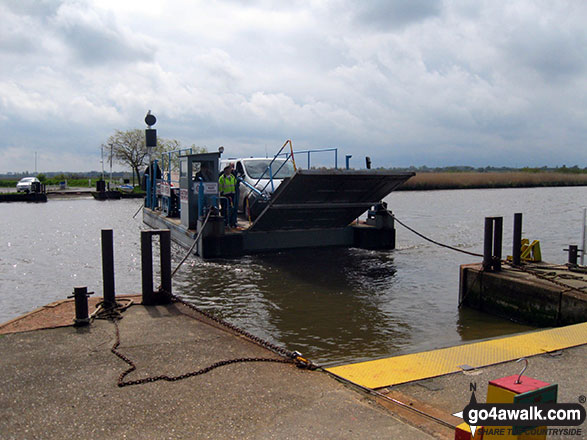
x: 430, y: 181
x: 490, y: 180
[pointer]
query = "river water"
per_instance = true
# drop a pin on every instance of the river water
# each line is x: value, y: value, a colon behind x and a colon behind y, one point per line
x: 333, y: 305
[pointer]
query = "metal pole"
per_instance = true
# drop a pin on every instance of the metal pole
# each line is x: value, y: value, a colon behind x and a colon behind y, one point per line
x: 497, y: 242
x: 147, y: 267
x: 572, y: 254
x: 80, y: 295
x: 583, y: 238
x: 517, y: 243
x: 348, y: 159
x: 488, y: 244
x: 108, y: 267
x: 165, y: 246
x: 102, y: 159
x: 110, y: 183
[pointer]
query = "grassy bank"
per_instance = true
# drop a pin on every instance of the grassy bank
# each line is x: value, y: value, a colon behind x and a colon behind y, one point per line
x: 469, y: 180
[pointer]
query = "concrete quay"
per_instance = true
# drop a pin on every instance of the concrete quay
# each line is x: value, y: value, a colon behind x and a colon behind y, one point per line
x: 61, y: 382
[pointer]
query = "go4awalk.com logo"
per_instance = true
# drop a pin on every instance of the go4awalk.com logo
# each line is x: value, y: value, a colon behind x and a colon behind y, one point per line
x: 509, y: 419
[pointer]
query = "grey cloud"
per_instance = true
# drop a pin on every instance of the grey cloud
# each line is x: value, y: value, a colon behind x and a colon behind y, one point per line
x: 551, y: 52
x: 33, y: 8
x: 394, y: 14
x: 96, y: 38
x: 91, y: 35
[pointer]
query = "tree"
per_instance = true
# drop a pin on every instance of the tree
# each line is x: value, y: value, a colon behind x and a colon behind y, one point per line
x: 128, y: 148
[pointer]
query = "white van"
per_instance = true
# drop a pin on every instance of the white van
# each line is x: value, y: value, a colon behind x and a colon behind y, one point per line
x: 263, y: 173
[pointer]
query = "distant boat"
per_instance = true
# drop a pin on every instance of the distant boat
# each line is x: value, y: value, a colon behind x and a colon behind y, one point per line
x: 106, y: 195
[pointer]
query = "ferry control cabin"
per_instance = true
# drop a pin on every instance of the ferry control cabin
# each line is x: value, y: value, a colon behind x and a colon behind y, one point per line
x: 279, y: 206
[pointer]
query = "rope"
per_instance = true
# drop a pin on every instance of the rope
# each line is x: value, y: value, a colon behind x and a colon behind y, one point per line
x: 433, y: 241
x: 139, y: 210
x: 193, y: 245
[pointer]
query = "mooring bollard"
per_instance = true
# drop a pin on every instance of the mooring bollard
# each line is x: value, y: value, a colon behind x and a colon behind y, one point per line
x: 497, y: 242
x: 488, y: 244
x: 108, y: 268
x: 492, y: 243
x: 517, y: 243
x: 80, y: 295
x: 161, y: 296
x: 573, y: 251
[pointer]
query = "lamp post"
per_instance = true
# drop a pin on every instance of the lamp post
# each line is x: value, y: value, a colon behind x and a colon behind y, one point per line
x: 151, y: 142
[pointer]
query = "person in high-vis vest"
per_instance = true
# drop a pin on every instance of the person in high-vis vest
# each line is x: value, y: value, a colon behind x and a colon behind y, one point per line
x: 227, y: 187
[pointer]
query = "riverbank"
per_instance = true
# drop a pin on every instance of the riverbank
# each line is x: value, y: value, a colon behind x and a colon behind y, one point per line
x: 479, y: 180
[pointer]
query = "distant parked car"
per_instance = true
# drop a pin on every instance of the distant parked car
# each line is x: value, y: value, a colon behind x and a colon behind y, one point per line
x: 25, y: 184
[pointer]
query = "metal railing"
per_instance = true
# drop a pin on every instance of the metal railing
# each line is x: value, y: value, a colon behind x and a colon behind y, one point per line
x: 270, y: 169
x: 316, y: 150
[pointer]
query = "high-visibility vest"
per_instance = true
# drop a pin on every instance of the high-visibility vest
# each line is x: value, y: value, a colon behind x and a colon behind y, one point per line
x: 227, y: 184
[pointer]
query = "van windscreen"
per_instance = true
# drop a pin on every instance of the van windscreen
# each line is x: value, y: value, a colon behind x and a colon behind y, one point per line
x: 258, y: 168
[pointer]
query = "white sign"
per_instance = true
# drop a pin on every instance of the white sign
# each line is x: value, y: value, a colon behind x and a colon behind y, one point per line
x: 183, y: 195
x: 165, y: 189
x: 210, y: 188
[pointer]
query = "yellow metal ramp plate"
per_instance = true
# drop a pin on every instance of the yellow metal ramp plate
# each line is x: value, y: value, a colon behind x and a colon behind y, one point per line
x: 407, y: 368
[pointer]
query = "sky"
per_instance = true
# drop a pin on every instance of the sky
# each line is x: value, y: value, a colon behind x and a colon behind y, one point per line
x: 412, y: 82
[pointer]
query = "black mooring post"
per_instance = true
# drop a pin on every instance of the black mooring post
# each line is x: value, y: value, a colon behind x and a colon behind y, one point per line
x: 573, y: 253
x: 80, y: 295
x: 108, y: 267
x: 517, y: 243
x: 165, y: 246
x: 161, y: 296
x: 147, y: 268
x: 497, y: 242
x: 488, y: 244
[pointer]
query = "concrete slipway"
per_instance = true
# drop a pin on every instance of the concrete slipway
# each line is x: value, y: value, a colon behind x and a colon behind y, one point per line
x: 59, y: 381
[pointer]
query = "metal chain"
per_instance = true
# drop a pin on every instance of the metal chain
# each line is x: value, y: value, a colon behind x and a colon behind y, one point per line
x: 543, y: 277
x: 290, y: 357
x: 520, y: 267
x: 132, y: 366
x: 275, y: 348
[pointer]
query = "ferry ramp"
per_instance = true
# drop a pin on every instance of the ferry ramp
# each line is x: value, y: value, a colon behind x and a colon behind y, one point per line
x: 323, y: 199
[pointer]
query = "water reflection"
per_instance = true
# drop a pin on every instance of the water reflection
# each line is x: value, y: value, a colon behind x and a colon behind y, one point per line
x: 324, y: 303
x: 473, y: 325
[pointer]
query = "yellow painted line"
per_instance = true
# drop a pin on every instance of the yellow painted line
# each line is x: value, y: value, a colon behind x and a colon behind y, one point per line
x: 400, y: 369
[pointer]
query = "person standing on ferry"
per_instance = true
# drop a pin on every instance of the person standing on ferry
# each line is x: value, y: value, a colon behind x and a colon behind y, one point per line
x: 227, y: 187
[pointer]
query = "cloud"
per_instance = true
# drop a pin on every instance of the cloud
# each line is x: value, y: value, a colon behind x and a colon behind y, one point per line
x: 95, y: 37
x: 409, y: 83
x: 390, y: 15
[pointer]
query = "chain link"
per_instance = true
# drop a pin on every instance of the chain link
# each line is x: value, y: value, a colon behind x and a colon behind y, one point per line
x: 289, y: 356
x: 545, y: 277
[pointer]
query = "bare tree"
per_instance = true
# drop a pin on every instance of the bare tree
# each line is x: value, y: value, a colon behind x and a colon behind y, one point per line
x: 129, y: 148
